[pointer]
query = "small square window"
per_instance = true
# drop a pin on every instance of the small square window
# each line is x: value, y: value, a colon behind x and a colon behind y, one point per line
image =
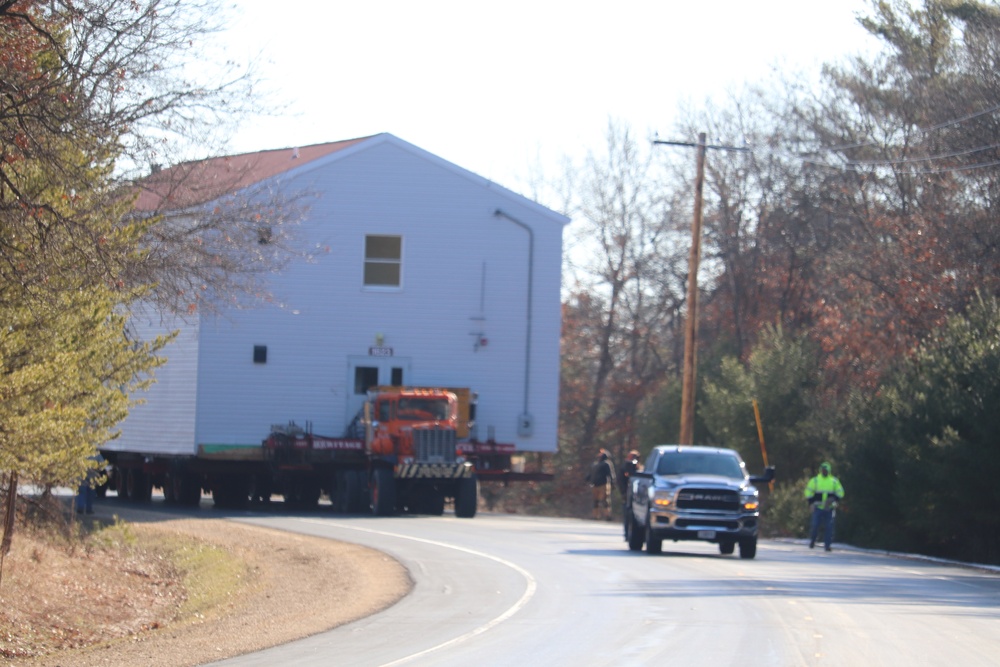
x: 260, y: 354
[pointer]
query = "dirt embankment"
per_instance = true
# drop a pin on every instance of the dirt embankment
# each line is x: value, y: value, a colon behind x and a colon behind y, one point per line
x: 184, y: 592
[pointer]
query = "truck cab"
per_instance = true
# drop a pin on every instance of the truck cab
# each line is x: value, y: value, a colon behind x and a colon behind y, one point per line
x: 414, y: 425
x: 411, y: 435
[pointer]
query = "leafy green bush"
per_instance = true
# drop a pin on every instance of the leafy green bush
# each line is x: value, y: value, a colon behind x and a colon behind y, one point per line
x: 785, y: 511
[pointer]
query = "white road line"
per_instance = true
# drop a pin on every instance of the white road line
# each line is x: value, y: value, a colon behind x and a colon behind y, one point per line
x: 529, y: 592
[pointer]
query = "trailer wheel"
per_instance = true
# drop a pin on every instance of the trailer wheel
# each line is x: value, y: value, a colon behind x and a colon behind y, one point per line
x: 467, y: 498
x: 383, y: 492
x: 308, y: 493
x: 140, y: 487
x: 231, y: 492
x: 348, y: 485
x: 290, y: 493
x: 187, y: 489
x: 356, y: 496
x: 168, y: 490
x: 120, y: 486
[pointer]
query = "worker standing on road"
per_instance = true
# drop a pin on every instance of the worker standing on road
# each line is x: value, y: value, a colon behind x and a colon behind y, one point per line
x: 630, y: 466
x: 601, y: 478
x: 823, y: 492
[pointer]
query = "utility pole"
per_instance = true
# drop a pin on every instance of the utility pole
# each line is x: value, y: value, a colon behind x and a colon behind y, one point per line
x: 691, y: 322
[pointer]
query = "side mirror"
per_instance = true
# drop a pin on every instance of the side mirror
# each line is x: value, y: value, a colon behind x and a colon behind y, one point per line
x: 766, y: 478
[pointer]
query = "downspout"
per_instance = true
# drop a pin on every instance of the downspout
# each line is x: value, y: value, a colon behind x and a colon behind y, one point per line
x: 525, y: 425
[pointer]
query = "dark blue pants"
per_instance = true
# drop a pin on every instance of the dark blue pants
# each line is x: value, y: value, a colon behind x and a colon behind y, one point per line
x: 85, y: 498
x: 826, y: 517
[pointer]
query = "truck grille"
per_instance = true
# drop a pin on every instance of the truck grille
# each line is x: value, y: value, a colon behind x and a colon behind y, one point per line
x: 708, y: 499
x: 434, y: 445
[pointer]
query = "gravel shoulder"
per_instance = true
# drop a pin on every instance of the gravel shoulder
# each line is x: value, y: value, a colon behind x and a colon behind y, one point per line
x: 289, y: 586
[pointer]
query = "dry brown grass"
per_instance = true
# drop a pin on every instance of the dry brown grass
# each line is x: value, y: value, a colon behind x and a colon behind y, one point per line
x: 62, y: 592
x: 178, y: 592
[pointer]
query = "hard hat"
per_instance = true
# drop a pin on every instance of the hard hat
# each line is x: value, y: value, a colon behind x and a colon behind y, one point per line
x: 824, y: 466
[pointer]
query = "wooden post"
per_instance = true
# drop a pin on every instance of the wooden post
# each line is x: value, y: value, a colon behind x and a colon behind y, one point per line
x: 691, y: 323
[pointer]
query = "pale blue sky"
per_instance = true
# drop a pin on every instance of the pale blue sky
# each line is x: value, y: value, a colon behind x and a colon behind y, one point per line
x: 499, y: 87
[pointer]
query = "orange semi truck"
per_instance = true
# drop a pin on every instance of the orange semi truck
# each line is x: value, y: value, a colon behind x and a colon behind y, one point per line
x: 408, y: 450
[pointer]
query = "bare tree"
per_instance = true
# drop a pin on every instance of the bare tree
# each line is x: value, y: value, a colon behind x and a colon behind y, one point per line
x: 623, y: 307
x: 109, y: 85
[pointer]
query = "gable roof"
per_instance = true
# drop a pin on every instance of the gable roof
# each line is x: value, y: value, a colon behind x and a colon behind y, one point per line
x: 191, y: 184
x: 199, y: 181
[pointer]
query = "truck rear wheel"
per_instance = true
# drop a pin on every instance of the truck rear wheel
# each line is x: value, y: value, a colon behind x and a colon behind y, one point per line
x: 467, y: 498
x: 383, y: 492
x: 726, y: 547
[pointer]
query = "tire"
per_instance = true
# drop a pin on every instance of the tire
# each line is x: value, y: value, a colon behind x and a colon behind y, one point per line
x: 338, y: 492
x: 654, y: 544
x: 350, y: 493
x: 290, y: 494
x: 231, y: 492
x: 726, y: 547
x: 187, y: 489
x: 261, y: 487
x: 467, y: 497
x: 634, y: 533
x: 309, y: 493
x: 383, y: 492
x: 120, y: 483
x: 169, y: 490
x: 748, y: 547
x: 140, y: 488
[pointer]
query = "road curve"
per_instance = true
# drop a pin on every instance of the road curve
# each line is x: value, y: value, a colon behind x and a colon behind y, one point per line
x: 504, y: 590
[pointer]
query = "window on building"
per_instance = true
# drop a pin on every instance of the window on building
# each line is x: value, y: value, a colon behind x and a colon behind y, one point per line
x: 260, y: 354
x: 383, y: 261
x: 365, y: 377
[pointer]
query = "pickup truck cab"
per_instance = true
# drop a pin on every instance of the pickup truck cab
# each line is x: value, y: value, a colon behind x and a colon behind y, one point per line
x: 694, y: 493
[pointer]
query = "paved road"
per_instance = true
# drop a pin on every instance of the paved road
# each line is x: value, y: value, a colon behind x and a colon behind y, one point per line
x: 501, y: 590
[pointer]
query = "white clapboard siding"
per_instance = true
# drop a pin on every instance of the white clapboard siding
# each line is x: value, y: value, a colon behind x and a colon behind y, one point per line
x: 465, y: 272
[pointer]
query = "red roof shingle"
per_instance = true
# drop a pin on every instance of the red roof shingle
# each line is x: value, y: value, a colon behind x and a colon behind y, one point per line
x: 192, y: 183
